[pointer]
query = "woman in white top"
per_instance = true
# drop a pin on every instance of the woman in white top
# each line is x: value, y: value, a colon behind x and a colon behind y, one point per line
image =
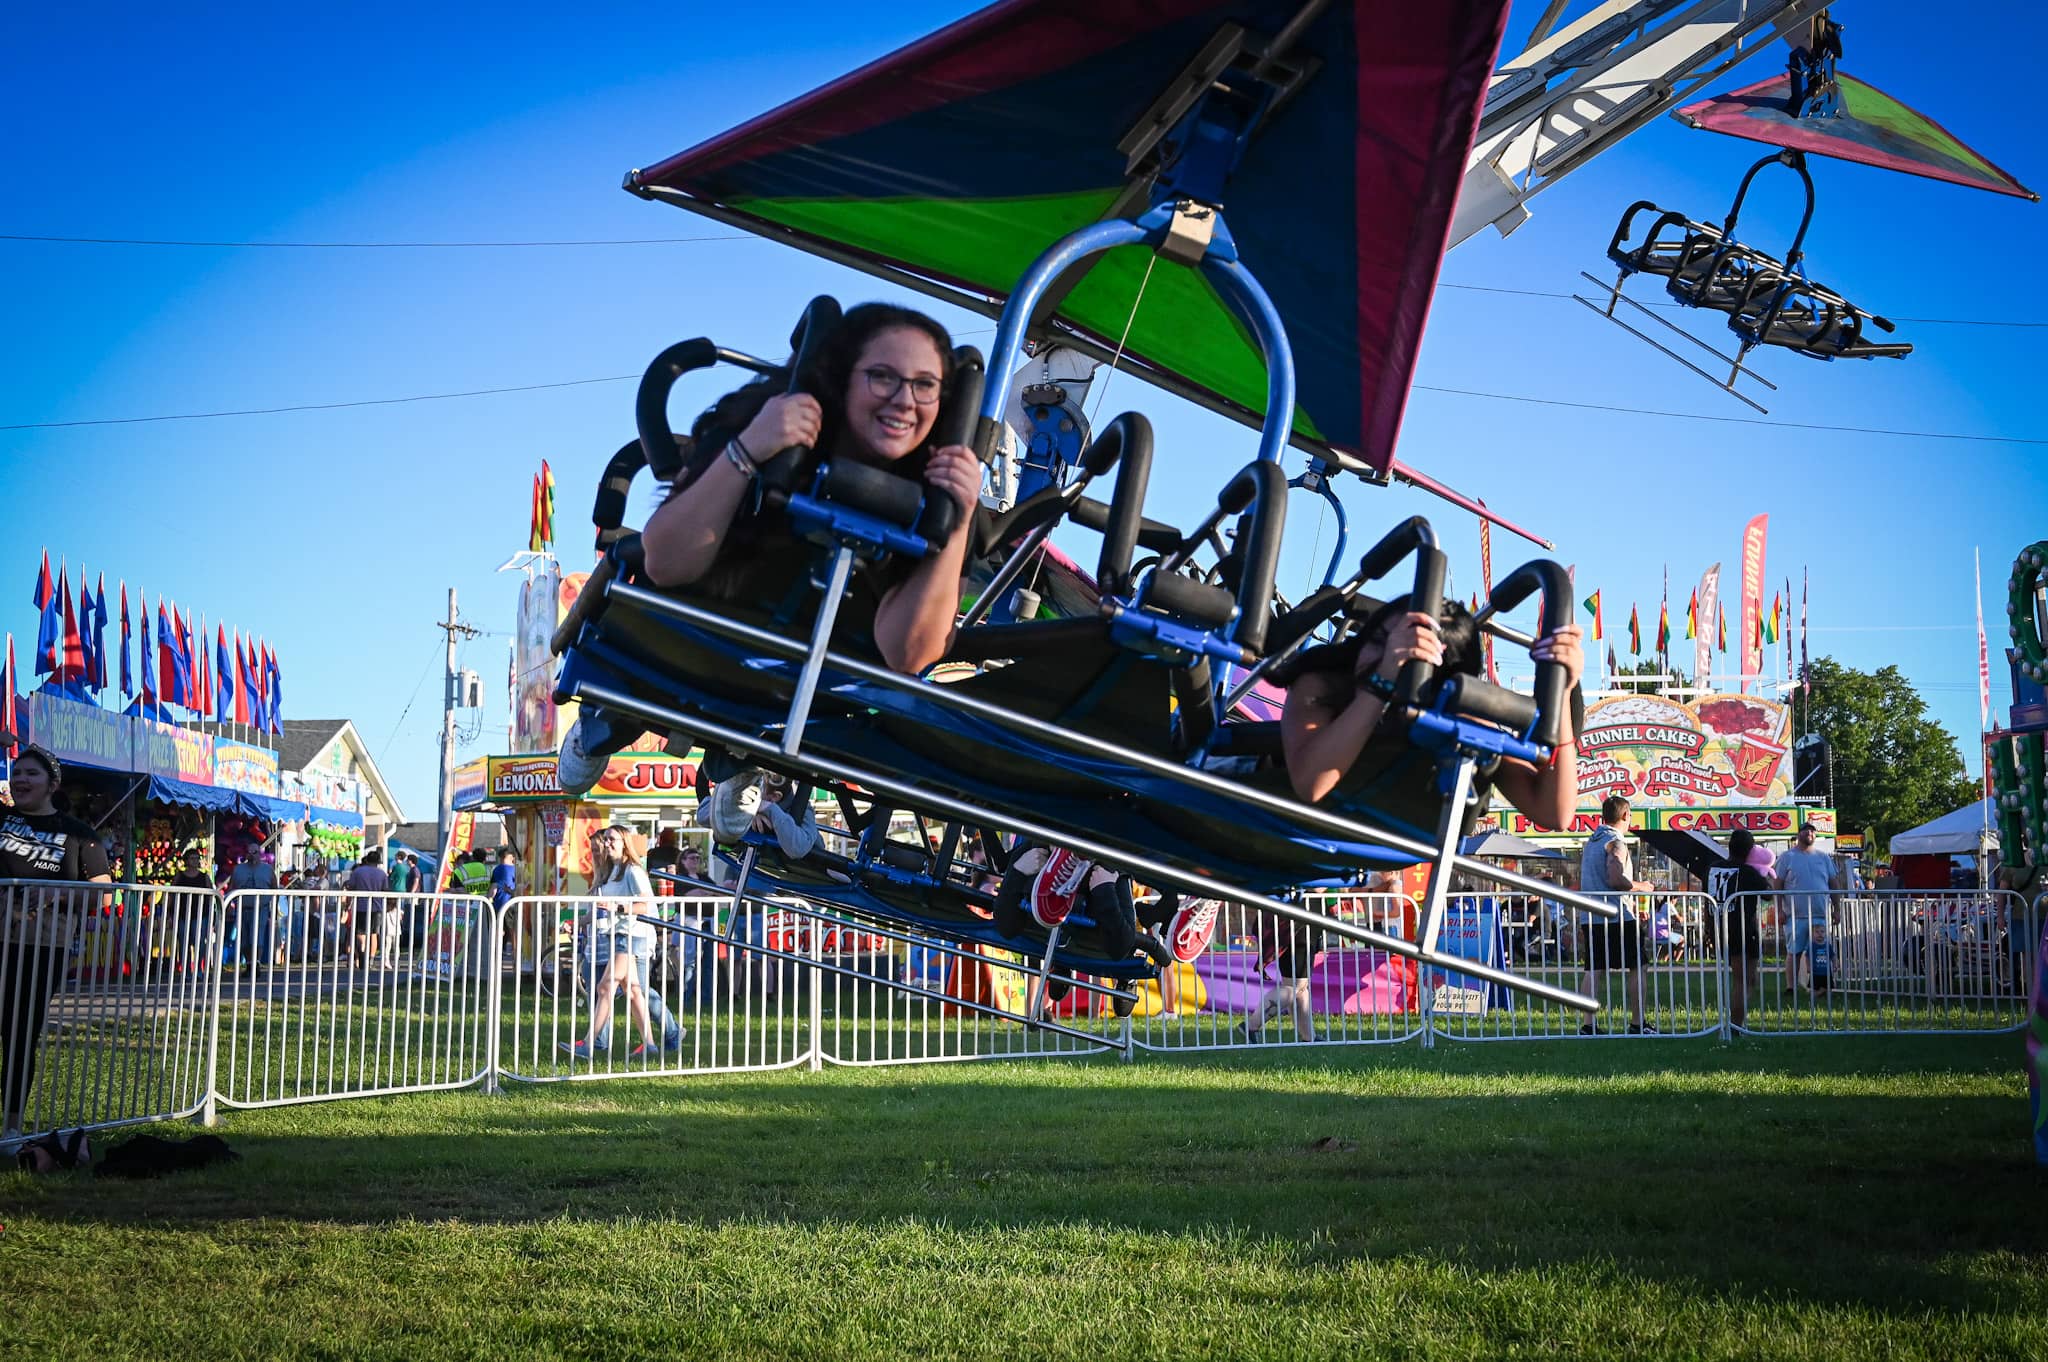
x: 618, y: 872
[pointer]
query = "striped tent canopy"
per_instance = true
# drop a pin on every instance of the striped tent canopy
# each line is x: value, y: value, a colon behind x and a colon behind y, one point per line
x: 955, y: 162
x: 1871, y: 128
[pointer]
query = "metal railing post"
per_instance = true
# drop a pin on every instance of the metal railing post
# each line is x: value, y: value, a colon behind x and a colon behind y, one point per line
x: 209, y: 1113
x: 494, y: 997
x: 814, y: 979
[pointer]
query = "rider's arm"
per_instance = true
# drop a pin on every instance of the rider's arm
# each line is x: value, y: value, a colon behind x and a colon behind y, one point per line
x: 685, y: 532
x: 1320, y: 740
x: 1551, y: 795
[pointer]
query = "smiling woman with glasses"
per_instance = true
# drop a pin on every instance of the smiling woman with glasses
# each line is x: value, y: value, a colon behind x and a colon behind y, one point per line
x: 874, y: 392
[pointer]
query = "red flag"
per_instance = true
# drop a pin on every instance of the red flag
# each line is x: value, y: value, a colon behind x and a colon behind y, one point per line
x: 166, y: 657
x: 1983, y: 653
x: 72, y: 668
x: 45, y: 588
x: 241, y: 681
x: 1753, y: 542
x: 203, y: 678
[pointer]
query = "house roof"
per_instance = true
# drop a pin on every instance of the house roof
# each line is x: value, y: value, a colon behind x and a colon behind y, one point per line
x: 303, y: 740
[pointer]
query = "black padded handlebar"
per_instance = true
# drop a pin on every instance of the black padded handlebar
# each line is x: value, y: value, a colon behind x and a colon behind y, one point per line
x: 650, y: 406
x: 941, y: 513
x: 1556, y: 585
x: 1475, y: 698
x: 1131, y: 435
x: 1412, y: 535
x: 821, y: 317
x: 1260, y: 488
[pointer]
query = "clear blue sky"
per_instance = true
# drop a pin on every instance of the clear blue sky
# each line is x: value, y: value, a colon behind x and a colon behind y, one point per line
x: 337, y: 534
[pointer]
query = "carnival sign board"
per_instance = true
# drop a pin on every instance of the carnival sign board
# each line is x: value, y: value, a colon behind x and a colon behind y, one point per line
x: 1718, y: 750
x: 242, y: 766
x: 1765, y: 822
x: 628, y: 776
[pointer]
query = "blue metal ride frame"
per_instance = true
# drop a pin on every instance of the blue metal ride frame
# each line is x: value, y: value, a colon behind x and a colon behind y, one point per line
x: 1317, y: 480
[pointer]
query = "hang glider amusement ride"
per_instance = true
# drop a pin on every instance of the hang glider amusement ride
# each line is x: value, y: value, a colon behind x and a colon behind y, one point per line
x: 1276, y: 179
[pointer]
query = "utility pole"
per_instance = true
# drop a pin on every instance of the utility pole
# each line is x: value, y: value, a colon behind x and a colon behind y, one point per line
x: 451, y: 696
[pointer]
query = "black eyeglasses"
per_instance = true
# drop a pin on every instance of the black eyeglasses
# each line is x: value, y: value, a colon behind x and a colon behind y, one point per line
x: 884, y: 383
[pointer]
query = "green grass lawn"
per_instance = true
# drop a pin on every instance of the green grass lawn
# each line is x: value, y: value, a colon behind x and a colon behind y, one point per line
x: 1785, y: 1198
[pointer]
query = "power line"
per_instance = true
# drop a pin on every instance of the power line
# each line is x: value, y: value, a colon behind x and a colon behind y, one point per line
x: 371, y: 245
x: 319, y: 406
x: 1918, y: 321
x: 1731, y: 420
x: 1420, y: 387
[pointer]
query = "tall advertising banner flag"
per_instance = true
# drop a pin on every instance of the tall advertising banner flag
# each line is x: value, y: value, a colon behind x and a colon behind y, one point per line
x: 1805, y: 663
x: 127, y: 675
x: 223, y: 675
x: 1753, y: 597
x: 72, y: 668
x: 1709, y: 595
x: 241, y: 681
x: 1983, y: 654
x: 99, y: 633
x: 8, y: 721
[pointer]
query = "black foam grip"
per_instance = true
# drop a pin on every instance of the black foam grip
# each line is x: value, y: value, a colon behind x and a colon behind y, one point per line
x: 1262, y: 487
x: 650, y: 405
x: 876, y: 491
x: 1127, y: 505
x: 609, y: 511
x: 1298, y: 623
x: 963, y: 404
x: 1428, y: 598
x: 1477, y: 699
x: 1556, y: 585
x: 1185, y: 598
x: 1153, y: 536
x: 956, y: 426
x: 1398, y: 542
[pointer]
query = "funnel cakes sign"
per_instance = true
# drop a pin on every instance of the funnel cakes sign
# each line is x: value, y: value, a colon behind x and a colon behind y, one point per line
x: 1720, y: 749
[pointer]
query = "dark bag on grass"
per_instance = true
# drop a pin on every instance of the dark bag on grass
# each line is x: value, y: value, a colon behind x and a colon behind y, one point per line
x: 149, y: 1156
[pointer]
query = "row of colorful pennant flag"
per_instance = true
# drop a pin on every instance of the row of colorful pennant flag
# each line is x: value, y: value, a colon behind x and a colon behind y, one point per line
x: 239, y: 682
x: 1771, y: 627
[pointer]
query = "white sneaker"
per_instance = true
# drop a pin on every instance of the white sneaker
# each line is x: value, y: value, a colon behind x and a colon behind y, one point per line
x: 576, y: 769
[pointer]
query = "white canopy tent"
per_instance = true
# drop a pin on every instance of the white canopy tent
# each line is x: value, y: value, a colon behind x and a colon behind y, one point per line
x: 1952, y: 834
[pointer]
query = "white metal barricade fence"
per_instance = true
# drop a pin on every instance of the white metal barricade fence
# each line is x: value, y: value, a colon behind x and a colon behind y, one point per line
x: 601, y: 988
x: 105, y: 1003
x: 1270, y: 981
x: 1655, y: 971
x: 1897, y: 960
x: 126, y: 1003
x: 324, y: 994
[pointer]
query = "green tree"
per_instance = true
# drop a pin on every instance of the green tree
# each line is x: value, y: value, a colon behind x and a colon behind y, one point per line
x: 1894, y: 767
x: 1647, y: 667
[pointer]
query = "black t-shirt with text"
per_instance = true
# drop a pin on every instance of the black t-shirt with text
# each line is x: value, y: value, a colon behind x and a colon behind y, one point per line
x: 50, y: 846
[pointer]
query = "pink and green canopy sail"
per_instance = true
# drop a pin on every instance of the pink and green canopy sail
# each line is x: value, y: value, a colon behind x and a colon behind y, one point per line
x: 1872, y: 128
x: 959, y: 159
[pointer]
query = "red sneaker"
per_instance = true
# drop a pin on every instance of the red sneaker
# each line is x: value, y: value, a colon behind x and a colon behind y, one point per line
x: 1193, y: 928
x: 1057, y: 886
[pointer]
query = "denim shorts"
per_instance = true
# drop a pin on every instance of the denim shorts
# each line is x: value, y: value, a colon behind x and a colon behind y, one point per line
x: 1804, y: 932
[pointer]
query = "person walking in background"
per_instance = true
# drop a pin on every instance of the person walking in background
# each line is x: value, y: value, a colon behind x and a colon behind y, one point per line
x: 401, y: 873
x: 366, y: 915
x: 622, y: 948
x: 1741, y: 931
x: 1607, y: 869
x: 254, y: 927
x: 504, y: 878
x: 189, y: 910
x: 1805, y: 877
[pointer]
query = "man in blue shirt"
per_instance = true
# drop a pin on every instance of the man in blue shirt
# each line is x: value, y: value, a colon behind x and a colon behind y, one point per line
x: 1805, y: 877
x: 504, y: 878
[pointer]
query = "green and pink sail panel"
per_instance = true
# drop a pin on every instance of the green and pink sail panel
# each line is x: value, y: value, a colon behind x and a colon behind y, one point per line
x: 962, y: 157
x: 1871, y: 128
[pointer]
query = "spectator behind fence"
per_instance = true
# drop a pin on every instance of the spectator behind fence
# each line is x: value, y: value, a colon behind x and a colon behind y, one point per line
x: 366, y: 915
x: 504, y: 878
x: 1804, y: 878
x: 36, y: 926
x: 622, y: 947
x: 255, y: 928
x: 1608, y: 870
x: 401, y: 873
x: 1741, y: 933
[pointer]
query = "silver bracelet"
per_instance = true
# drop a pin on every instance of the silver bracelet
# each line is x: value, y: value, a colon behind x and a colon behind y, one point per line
x: 741, y: 461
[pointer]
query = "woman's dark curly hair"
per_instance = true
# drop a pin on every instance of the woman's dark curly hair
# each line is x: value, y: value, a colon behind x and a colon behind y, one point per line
x: 1455, y: 627
x: 826, y: 378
